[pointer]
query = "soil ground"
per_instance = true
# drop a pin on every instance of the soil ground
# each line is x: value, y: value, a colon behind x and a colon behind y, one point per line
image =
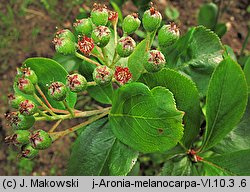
x: 27, y: 29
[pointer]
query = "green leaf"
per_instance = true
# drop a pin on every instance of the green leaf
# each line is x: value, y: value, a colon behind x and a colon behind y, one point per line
x: 136, y: 59
x: 69, y: 62
x: 86, y: 69
x: 226, y: 101
x: 102, y: 94
x: 238, y: 138
x: 220, y: 29
x: 235, y: 163
x: 145, y: 120
x: 98, y: 152
x: 177, y: 166
x: 197, y: 53
x: 247, y: 73
x: 186, y: 96
x: 172, y: 13
x: 208, y: 15
x: 48, y: 71
x: 230, y: 52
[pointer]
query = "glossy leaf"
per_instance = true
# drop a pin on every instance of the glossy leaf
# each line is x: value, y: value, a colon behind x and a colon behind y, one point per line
x: 102, y: 94
x: 226, y: 101
x: 239, y: 137
x: 98, y: 152
x: 247, y: 73
x: 220, y: 29
x: 208, y: 15
x: 178, y: 166
x: 145, y: 120
x: 69, y: 62
x: 186, y: 96
x: 136, y: 59
x: 196, y: 54
x: 235, y: 163
x: 48, y: 71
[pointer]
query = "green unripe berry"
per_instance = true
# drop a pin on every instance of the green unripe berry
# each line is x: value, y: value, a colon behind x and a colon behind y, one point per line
x: 151, y: 20
x: 57, y: 91
x: 29, y: 74
x: 99, y: 14
x: 101, y: 36
x: 65, y: 34
x: 29, y: 152
x: 125, y: 46
x: 25, y: 85
x: 19, y: 121
x: 102, y: 75
x: 64, y: 46
x: 76, y: 82
x: 131, y: 23
x: 19, y: 138
x: 168, y: 35
x: 83, y: 26
x: 27, y: 108
x: 154, y: 61
x: 40, y: 140
x: 15, y: 100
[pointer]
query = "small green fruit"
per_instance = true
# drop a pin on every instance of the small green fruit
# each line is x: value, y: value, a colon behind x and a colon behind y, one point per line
x: 65, y: 34
x: 19, y: 121
x: 99, y: 14
x: 125, y: 46
x: 57, y: 91
x: 19, y: 138
x: 40, y: 140
x: 76, y: 82
x: 101, y: 36
x: 27, y: 108
x: 15, y: 100
x: 29, y: 152
x: 25, y: 85
x: 151, y: 20
x: 168, y: 35
x: 29, y: 74
x: 131, y: 23
x: 83, y: 26
x: 102, y: 75
x: 154, y: 61
x: 64, y: 45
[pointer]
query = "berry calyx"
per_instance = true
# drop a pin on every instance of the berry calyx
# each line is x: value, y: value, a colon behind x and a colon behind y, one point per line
x: 27, y: 107
x: 19, y: 138
x: 113, y: 17
x: 151, y: 19
x: 15, y: 100
x: 76, y: 82
x: 83, y: 26
x: 29, y: 152
x: 19, y: 121
x: 99, y: 14
x: 131, y: 23
x: 155, y: 61
x: 86, y: 45
x: 66, y: 34
x: 122, y: 75
x: 125, y: 46
x: 101, y: 36
x: 64, y: 45
x: 168, y: 35
x: 102, y: 75
x: 29, y: 74
x: 57, y: 91
x: 25, y: 85
x: 40, y: 140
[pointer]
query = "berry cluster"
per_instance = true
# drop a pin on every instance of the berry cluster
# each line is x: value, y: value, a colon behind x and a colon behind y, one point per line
x: 90, y: 38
